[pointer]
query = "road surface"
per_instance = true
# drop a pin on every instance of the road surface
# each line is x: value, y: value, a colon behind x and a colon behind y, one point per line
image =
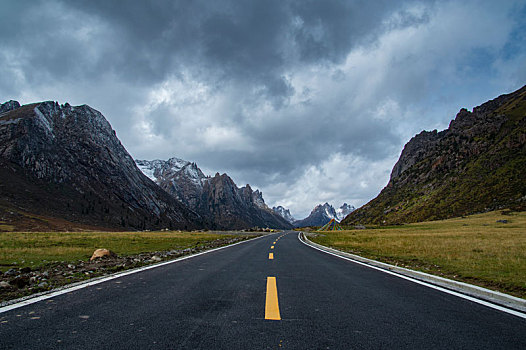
x: 253, y: 296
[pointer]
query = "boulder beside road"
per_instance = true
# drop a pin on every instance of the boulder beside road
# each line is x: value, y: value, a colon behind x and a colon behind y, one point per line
x: 102, y: 253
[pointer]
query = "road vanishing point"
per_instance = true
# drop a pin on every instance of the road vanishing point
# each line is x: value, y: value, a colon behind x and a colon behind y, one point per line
x: 272, y: 292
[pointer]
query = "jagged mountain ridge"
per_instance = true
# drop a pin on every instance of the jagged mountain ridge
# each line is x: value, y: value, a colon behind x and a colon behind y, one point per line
x: 218, y: 199
x: 323, y: 213
x: 477, y: 164
x: 284, y: 213
x: 182, y: 179
x: 67, y: 162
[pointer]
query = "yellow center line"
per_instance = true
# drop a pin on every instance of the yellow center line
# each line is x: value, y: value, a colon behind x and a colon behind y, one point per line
x: 270, y: 256
x: 271, y: 305
x: 274, y: 242
x: 271, y: 247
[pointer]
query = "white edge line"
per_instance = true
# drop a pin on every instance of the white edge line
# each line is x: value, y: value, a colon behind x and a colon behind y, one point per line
x: 111, y: 277
x: 460, y: 295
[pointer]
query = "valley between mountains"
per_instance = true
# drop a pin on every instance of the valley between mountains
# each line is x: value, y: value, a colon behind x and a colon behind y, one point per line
x: 68, y: 186
x: 322, y: 174
x: 63, y: 167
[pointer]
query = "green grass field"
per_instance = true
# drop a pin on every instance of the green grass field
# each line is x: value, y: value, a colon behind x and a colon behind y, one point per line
x: 33, y: 249
x: 476, y: 249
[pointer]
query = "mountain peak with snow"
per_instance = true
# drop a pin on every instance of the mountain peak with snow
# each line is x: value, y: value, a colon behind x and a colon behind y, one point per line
x: 217, y: 198
x: 323, y: 213
x: 284, y: 213
x: 343, y: 211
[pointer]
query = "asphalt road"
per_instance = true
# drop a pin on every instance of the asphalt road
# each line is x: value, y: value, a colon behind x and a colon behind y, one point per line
x: 219, y: 301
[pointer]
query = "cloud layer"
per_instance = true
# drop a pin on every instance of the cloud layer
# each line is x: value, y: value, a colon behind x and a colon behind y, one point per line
x: 310, y: 101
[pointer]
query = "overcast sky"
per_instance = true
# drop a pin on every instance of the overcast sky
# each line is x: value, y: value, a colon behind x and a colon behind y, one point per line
x: 309, y: 101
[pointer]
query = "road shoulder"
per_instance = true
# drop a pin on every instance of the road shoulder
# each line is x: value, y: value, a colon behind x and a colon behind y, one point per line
x: 34, y: 298
x: 483, y: 294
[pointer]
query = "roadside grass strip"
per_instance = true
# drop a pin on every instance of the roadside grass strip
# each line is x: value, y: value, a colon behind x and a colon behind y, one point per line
x: 422, y: 279
x: 488, y: 250
x: 15, y: 304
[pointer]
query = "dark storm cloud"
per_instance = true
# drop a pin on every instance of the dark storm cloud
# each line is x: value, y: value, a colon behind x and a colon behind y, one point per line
x: 328, y: 29
x: 268, y: 90
x: 141, y: 42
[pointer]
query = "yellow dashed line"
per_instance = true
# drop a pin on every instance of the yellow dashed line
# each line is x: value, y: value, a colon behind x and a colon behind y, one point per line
x: 270, y: 256
x: 271, y: 305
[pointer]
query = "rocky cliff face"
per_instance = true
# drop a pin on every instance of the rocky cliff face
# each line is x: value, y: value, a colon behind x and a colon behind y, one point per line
x: 284, y: 213
x: 9, y: 106
x: 217, y: 199
x: 67, y: 162
x: 477, y: 164
x: 182, y: 179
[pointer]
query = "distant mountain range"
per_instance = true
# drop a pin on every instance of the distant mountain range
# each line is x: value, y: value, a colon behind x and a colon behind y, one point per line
x: 63, y: 167
x: 217, y: 199
x: 319, y: 216
x: 476, y: 165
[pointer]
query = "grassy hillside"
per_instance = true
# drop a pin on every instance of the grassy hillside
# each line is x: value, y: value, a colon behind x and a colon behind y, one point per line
x: 477, y: 165
x: 477, y: 249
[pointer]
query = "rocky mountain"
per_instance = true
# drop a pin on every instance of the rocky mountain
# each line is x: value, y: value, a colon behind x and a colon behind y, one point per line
x: 60, y: 163
x: 182, y: 179
x: 284, y: 213
x: 9, y: 106
x: 217, y: 199
x: 343, y: 211
x: 477, y: 164
x: 323, y: 213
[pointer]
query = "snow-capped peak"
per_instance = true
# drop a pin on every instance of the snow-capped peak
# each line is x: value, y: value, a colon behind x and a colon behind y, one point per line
x: 160, y: 170
x: 146, y: 170
x: 343, y: 211
x: 284, y: 213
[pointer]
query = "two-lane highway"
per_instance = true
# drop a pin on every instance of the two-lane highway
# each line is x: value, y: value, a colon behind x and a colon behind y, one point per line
x: 272, y: 292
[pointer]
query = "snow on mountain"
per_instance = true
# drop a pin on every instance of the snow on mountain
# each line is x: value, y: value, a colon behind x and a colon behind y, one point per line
x: 343, y: 211
x: 323, y: 213
x: 329, y: 211
x: 218, y: 199
x: 66, y: 162
x: 284, y: 213
x: 319, y: 216
x: 146, y: 170
x: 173, y: 168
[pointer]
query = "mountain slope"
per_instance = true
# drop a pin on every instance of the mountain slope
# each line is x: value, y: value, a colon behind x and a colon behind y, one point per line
x: 217, y: 199
x: 66, y: 162
x: 477, y: 164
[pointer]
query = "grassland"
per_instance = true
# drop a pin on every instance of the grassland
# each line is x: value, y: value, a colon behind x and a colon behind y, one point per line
x: 475, y: 249
x: 33, y: 249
